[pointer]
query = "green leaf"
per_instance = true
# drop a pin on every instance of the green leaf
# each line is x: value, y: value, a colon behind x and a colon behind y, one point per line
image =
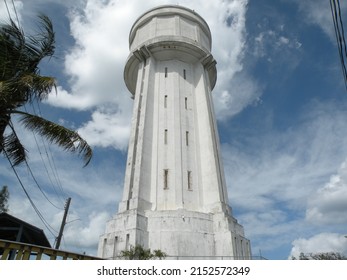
x: 67, y: 139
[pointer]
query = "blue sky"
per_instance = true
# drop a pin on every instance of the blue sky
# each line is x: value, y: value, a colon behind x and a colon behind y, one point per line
x: 281, y: 106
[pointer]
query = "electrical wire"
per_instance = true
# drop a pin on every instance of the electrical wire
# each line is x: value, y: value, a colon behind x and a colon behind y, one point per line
x: 39, y: 187
x: 44, y: 221
x: 53, y: 168
x: 15, y: 12
x: 50, y: 157
x: 46, y: 224
x: 8, y: 11
x: 31, y: 173
x: 340, y: 36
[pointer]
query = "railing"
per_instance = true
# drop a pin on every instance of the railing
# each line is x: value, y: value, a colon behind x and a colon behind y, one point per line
x: 201, y: 258
x: 214, y: 258
x: 10, y: 250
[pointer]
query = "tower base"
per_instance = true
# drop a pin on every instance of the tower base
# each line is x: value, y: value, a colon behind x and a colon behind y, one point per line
x: 181, y: 234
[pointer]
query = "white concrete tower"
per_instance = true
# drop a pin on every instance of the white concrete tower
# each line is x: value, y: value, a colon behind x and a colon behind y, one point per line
x: 175, y: 197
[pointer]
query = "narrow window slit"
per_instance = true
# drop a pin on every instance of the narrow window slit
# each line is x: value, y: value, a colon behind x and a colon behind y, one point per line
x: 166, y: 177
x: 189, y: 178
x: 165, y: 136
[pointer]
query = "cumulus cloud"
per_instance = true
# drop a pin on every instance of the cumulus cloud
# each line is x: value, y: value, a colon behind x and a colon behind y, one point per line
x: 79, y: 235
x: 328, y: 205
x: 106, y: 130
x: 236, y: 88
x: 240, y: 92
x: 321, y: 243
x: 95, y: 64
x: 60, y: 175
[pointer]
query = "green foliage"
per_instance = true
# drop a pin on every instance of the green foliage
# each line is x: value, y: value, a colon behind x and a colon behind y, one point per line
x: 139, y: 253
x: 321, y: 256
x: 21, y: 84
x: 4, y: 196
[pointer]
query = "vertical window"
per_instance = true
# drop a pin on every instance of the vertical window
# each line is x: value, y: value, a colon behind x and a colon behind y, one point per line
x: 242, y: 254
x: 115, y: 248
x: 187, y: 138
x: 189, y: 178
x: 166, y: 179
x: 104, y: 246
x: 127, y: 242
x: 184, y: 74
x: 165, y: 101
x: 236, y: 253
x: 165, y: 136
x: 165, y: 72
x: 186, y: 102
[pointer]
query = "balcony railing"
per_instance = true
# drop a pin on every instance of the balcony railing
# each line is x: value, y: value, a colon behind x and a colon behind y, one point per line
x: 10, y: 250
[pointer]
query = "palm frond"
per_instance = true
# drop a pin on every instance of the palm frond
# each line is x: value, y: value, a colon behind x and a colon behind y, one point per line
x: 38, y: 86
x: 43, y: 43
x: 67, y: 139
x: 14, y: 149
x: 20, y: 53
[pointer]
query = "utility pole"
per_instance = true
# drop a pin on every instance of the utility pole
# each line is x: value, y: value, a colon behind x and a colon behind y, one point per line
x: 67, y: 205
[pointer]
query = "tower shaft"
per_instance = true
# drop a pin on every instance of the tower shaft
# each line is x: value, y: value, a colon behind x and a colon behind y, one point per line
x: 173, y: 158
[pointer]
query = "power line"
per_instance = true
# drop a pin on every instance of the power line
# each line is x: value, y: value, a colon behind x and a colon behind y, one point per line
x: 50, y: 157
x: 340, y: 36
x: 15, y: 12
x: 39, y: 187
x: 46, y: 224
x: 52, y: 167
x: 30, y: 171
x: 8, y: 11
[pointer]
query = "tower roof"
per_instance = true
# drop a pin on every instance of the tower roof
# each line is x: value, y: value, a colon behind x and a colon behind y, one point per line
x: 167, y: 10
x: 169, y: 32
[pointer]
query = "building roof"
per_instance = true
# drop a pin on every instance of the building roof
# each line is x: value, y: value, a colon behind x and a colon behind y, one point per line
x: 14, y: 229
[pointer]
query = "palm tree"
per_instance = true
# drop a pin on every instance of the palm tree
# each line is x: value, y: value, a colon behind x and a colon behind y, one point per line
x: 21, y: 83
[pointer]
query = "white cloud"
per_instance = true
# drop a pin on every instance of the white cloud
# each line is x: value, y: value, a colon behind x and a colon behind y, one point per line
x: 328, y: 205
x: 271, y: 177
x: 320, y: 243
x: 287, y: 165
x: 318, y: 12
x: 106, y: 130
x: 60, y: 175
x: 275, y: 44
x: 240, y: 91
x: 11, y: 9
x: 79, y: 235
x: 95, y: 63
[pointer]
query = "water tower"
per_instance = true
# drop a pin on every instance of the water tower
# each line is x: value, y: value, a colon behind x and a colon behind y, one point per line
x: 175, y: 197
